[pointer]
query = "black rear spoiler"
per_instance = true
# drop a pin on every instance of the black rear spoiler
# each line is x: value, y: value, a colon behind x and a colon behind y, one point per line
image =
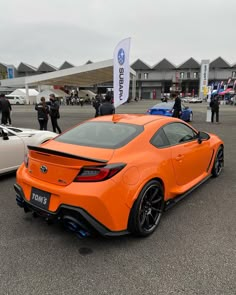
x: 62, y: 154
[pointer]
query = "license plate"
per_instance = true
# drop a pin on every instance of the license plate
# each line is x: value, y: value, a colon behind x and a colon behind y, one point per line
x: 40, y: 198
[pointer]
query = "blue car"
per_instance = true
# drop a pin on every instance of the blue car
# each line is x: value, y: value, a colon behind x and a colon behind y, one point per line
x: 165, y: 109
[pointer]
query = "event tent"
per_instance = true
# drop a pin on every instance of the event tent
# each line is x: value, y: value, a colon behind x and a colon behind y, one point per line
x: 46, y: 93
x: 227, y: 91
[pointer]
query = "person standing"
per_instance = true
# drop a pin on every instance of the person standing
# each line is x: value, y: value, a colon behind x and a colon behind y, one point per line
x: 43, y: 110
x: 5, y: 108
x: 214, y: 104
x: 177, y: 109
x: 54, y: 113
x: 96, y: 105
x: 107, y: 108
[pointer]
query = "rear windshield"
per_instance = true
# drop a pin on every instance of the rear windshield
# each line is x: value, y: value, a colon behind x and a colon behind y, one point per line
x: 101, y: 134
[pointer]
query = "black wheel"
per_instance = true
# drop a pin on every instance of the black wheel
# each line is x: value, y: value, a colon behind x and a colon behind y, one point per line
x: 218, y: 163
x: 147, y: 209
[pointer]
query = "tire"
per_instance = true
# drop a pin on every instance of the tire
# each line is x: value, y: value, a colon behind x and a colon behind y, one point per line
x: 146, y: 212
x: 218, y: 162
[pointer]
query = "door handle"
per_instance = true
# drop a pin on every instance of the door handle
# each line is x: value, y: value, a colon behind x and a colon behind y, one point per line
x: 179, y: 157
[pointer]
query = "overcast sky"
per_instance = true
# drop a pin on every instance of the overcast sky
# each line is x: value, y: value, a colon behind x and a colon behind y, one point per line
x: 33, y: 31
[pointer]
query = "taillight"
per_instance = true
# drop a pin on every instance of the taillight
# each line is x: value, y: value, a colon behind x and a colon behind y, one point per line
x: 98, y: 173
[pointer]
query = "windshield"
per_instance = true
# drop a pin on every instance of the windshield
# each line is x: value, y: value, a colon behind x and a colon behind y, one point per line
x: 101, y: 134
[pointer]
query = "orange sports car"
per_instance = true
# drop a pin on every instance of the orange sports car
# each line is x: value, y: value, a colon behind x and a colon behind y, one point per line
x: 116, y: 174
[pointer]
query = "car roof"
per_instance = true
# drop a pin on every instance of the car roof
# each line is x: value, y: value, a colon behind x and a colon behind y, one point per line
x: 138, y: 119
x: 165, y: 105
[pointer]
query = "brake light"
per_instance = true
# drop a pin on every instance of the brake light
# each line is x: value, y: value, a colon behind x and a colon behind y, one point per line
x: 98, y: 173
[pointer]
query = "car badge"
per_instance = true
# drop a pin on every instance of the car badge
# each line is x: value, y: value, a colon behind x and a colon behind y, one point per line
x: 44, y: 169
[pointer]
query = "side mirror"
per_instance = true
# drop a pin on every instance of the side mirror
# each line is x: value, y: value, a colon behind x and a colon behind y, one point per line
x: 199, y: 138
x: 202, y: 136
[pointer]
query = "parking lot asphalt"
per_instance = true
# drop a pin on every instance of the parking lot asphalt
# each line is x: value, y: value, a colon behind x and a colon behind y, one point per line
x: 193, y: 251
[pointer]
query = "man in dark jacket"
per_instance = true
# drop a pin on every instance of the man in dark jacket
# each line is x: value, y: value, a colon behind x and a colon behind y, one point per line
x: 107, y: 108
x: 54, y: 113
x: 177, y: 109
x: 96, y: 105
x: 43, y: 110
x: 5, y: 108
x: 214, y: 104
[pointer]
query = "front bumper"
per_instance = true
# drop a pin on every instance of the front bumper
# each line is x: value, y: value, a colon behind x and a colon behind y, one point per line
x: 68, y: 215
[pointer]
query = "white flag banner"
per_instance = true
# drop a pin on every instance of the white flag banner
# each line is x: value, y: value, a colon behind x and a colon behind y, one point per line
x: 121, y: 72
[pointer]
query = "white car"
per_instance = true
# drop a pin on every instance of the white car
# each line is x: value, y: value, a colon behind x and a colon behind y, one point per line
x: 186, y: 99
x: 195, y: 100
x: 14, y: 142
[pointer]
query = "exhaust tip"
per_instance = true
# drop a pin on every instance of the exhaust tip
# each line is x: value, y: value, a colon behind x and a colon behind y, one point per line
x: 73, y: 225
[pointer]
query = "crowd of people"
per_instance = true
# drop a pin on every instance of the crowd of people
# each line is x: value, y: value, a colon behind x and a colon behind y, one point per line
x: 51, y: 109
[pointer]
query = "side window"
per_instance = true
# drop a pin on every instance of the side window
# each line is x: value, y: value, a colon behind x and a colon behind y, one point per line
x: 178, y: 133
x: 159, y: 139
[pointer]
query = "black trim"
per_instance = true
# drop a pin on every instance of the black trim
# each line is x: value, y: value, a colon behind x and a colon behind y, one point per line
x: 62, y: 154
x: 212, y: 156
x: 171, y: 202
x: 63, y: 210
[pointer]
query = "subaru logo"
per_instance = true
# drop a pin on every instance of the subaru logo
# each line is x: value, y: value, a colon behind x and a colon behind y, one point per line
x: 121, y: 56
x: 43, y: 169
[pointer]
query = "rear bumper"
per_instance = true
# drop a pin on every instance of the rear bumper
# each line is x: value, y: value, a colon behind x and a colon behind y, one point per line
x: 65, y: 213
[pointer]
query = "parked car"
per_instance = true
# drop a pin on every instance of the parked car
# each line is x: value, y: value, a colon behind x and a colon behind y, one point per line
x: 186, y: 98
x: 13, y: 145
x: 116, y: 174
x: 195, y: 100
x: 166, y: 109
x: 15, y: 99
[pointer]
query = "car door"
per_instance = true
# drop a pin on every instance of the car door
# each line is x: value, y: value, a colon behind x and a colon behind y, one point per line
x: 190, y: 159
x: 11, y: 151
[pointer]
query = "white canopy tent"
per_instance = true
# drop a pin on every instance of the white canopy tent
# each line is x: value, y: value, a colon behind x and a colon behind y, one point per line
x: 46, y: 93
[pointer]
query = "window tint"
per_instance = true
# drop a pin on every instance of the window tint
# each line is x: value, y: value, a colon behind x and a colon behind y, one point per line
x: 178, y: 133
x: 101, y: 134
x: 159, y: 139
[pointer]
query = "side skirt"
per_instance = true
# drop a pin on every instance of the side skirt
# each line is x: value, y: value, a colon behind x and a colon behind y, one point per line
x: 170, y: 203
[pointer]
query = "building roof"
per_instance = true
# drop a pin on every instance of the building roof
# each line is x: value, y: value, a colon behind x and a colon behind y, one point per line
x: 140, y: 65
x: 46, y: 67
x: 66, y: 65
x: 23, y: 67
x: 191, y: 63
x: 85, y: 75
x: 164, y: 64
x: 219, y: 63
x: 6, y: 65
